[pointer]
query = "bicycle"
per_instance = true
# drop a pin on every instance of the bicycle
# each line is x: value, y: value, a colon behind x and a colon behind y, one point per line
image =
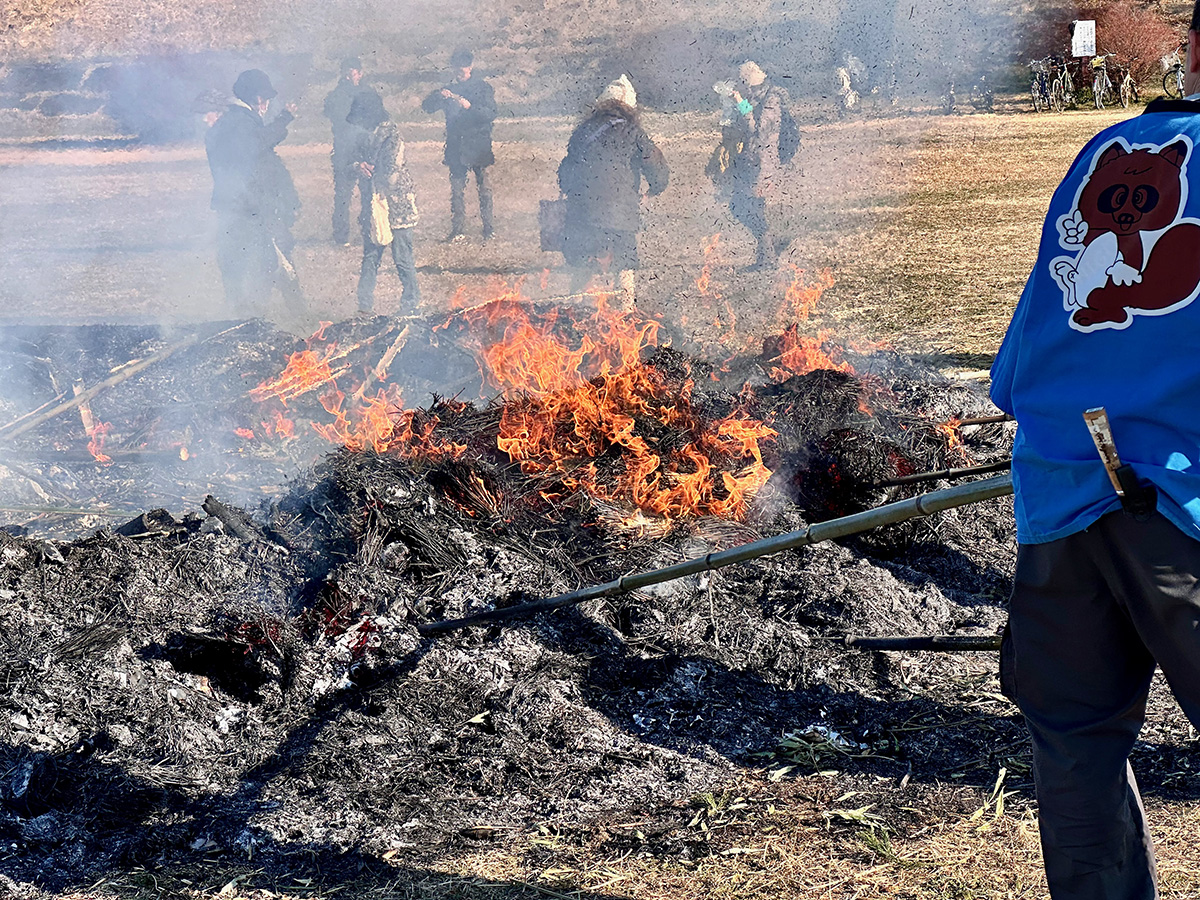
x: 1173, y: 79
x: 1102, y: 86
x: 1066, y: 83
x: 1039, y: 86
x: 982, y: 95
x: 1128, y: 90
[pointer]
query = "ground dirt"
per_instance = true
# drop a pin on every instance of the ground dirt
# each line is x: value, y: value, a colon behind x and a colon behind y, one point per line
x: 179, y: 722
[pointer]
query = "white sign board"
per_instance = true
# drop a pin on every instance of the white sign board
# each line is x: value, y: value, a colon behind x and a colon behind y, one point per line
x: 1083, y: 41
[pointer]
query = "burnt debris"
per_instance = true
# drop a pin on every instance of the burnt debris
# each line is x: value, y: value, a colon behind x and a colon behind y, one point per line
x: 240, y: 672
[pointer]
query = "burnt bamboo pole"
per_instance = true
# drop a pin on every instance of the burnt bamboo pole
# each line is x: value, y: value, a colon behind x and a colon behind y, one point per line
x: 834, y: 529
x: 950, y: 643
x: 124, y: 373
x: 946, y: 474
x: 985, y: 420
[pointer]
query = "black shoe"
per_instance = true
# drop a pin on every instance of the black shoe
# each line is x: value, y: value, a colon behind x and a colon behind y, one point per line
x: 489, y: 233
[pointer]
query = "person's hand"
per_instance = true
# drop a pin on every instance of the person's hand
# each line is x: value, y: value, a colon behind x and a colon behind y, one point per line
x: 447, y: 93
x: 366, y: 168
x: 292, y: 108
x: 737, y: 96
x: 464, y: 102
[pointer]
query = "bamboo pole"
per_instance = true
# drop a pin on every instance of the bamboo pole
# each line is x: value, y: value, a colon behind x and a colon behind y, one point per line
x: 123, y: 373
x: 834, y: 529
x: 950, y: 643
x: 946, y: 474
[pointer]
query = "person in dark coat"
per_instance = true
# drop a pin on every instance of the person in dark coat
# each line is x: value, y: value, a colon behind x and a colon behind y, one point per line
x: 608, y: 155
x: 237, y: 147
x: 345, y: 136
x: 379, y: 159
x: 470, y: 107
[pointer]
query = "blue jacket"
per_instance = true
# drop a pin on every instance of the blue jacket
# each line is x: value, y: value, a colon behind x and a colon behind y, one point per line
x: 1107, y: 318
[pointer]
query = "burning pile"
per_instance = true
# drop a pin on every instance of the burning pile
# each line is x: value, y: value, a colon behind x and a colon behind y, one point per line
x: 255, y: 685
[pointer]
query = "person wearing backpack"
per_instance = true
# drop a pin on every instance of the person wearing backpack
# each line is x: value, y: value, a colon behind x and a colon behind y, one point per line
x: 769, y: 141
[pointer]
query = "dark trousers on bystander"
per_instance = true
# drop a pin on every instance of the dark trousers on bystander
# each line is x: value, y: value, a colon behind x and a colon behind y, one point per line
x: 458, y: 199
x: 1090, y: 616
x: 402, y: 255
x: 247, y: 260
x: 343, y: 196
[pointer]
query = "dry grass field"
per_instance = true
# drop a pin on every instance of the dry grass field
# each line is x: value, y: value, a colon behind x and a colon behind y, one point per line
x: 928, y: 224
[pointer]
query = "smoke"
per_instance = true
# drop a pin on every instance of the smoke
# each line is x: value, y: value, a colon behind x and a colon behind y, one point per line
x: 104, y: 188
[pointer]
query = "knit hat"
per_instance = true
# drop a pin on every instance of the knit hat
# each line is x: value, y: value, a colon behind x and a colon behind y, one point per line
x: 752, y: 74
x: 461, y: 58
x: 620, y: 90
x: 252, y: 84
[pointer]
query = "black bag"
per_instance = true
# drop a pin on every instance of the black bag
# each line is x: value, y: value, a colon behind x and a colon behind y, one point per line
x: 552, y: 224
x: 789, y: 134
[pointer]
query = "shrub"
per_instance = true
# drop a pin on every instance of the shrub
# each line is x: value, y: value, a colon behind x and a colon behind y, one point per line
x: 1134, y: 32
x: 1137, y: 35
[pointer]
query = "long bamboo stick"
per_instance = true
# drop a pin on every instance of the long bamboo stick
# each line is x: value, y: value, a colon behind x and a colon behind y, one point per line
x: 946, y: 474
x: 124, y: 373
x: 900, y: 511
x: 82, y: 397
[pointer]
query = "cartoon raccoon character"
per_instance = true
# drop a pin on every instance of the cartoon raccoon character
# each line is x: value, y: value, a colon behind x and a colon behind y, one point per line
x: 1138, y: 255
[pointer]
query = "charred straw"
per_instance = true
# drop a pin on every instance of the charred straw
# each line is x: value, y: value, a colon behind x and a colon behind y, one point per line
x: 900, y: 511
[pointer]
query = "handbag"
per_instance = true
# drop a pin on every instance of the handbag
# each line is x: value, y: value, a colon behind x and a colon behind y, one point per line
x: 552, y: 224
x: 380, y: 226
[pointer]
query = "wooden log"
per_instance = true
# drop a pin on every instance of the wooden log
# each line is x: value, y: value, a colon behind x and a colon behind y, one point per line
x: 234, y: 520
x: 381, y: 369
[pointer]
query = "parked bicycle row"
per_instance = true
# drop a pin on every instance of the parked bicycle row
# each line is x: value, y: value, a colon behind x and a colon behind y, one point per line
x: 1057, y: 83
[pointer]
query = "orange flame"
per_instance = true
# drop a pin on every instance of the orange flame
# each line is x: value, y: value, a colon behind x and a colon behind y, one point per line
x: 97, y: 435
x: 797, y: 354
x: 952, y: 430
x: 574, y: 401
x: 800, y: 299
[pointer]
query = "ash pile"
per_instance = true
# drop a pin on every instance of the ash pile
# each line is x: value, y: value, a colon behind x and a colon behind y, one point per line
x: 254, y: 684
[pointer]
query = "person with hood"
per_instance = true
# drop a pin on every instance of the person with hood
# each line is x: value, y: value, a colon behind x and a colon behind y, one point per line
x: 245, y: 184
x: 379, y: 160
x: 470, y: 107
x: 345, y: 136
x: 608, y: 156
x: 757, y: 170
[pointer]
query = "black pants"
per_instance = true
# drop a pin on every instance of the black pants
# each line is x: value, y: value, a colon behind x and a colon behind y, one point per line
x: 402, y: 255
x: 458, y: 200
x: 1091, y: 613
x: 247, y: 260
x: 343, y: 195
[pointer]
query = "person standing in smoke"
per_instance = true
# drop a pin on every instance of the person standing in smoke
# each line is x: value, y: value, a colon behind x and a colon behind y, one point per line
x: 379, y: 160
x: 246, y: 183
x: 470, y: 107
x: 757, y: 170
x: 337, y: 107
x: 608, y: 155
